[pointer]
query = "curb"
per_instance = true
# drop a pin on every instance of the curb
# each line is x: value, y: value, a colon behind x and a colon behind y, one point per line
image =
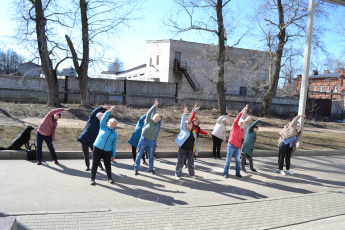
x: 20, y: 154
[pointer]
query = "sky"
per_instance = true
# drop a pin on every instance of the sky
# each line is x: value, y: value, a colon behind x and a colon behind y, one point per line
x: 130, y: 46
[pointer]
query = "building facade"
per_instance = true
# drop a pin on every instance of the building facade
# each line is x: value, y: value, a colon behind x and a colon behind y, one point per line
x: 194, y: 67
x: 324, y: 86
x: 30, y: 69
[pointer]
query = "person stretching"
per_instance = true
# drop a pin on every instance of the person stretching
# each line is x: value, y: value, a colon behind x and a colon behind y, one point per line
x: 196, y: 127
x: 89, y: 134
x: 46, y: 132
x: 104, y: 146
x: 148, y: 139
x: 248, y: 145
x: 218, y: 135
x: 289, y: 137
x: 187, y: 142
x: 234, y: 144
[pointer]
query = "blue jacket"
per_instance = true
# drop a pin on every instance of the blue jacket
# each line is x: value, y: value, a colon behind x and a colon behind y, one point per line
x: 89, y: 134
x: 184, y: 134
x: 134, y: 139
x: 106, y: 138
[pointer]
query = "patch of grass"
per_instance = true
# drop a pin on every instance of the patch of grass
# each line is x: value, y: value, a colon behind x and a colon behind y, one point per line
x: 66, y: 139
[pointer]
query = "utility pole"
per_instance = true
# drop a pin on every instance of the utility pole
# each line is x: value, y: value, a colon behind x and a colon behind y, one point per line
x: 306, y: 65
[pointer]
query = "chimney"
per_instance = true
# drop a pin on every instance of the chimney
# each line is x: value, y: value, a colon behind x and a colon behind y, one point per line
x: 299, y: 75
x: 315, y: 72
x: 326, y: 71
x: 337, y: 71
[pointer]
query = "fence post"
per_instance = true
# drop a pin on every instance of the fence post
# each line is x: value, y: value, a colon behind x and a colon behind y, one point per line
x: 66, y: 90
x: 176, y: 92
x: 124, y: 99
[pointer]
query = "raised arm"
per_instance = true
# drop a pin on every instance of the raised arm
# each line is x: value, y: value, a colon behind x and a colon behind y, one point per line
x: 103, y: 122
x: 252, y: 126
x: 150, y: 112
x: 100, y: 109
x: 183, y: 119
x: 295, y: 120
x: 221, y: 118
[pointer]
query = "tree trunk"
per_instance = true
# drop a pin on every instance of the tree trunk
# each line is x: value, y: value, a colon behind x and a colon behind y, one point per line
x: 277, y: 57
x: 47, y: 66
x: 220, y: 86
x: 84, y: 65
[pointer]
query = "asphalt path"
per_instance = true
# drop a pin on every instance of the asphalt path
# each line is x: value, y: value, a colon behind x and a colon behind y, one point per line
x: 28, y: 188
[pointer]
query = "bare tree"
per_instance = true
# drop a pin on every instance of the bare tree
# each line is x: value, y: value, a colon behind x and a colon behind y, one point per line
x: 282, y: 22
x: 116, y: 66
x: 38, y: 20
x: 97, y: 18
x: 212, y: 21
x: 9, y: 61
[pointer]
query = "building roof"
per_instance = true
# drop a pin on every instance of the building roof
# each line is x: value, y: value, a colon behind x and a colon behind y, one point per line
x: 327, y: 75
x: 29, y: 64
x: 135, y: 68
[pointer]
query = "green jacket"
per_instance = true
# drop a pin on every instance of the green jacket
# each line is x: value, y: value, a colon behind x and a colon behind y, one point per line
x: 150, y: 129
x: 249, y: 140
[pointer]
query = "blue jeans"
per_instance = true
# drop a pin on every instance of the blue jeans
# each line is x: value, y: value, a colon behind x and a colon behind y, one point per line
x: 232, y: 150
x: 149, y: 146
x: 48, y: 140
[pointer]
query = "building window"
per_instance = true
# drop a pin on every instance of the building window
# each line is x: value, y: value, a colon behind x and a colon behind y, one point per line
x: 150, y: 62
x: 157, y: 60
x: 328, y: 88
x: 243, y: 91
x: 321, y: 88
x: 314, y: 88
x: 336, y: 88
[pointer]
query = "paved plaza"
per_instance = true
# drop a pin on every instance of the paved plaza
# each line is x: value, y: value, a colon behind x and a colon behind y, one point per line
x: 60, y: 197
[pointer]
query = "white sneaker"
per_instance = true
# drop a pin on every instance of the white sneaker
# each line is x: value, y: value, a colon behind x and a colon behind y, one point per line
x: 185, y: 166
x: 194, y: 166
x: 178, y: 178
x: 289, y: 172
x: 282, y: 172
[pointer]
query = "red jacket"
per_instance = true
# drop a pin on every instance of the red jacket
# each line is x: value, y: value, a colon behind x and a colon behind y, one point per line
x: 195, y: 127
x: 236, y: 133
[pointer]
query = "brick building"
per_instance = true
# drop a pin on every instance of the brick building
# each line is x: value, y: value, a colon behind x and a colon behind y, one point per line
x: 324, y: 86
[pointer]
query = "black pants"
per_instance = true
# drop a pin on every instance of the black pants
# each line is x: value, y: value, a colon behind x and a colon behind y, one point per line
x: 184, y: 154
x: 97, y: 154
x: 134, y: 154
x: 243, y: 161
x: 285, y: 152
x: 217, y: 142
x: 86, y: 153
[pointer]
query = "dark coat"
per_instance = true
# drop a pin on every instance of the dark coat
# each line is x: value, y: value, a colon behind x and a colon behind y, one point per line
x: 90, y: 132
x: 249, y: 140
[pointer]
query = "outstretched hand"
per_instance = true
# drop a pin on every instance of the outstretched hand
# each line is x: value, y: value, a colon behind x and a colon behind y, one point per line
x: 244, y: 109
x: 106, y: 106
x: 156, y: 103
x: 112, y: 108
x: 261, y: 118
x: 303, y: 116
x: 66, y: 109
x: 185, y: 110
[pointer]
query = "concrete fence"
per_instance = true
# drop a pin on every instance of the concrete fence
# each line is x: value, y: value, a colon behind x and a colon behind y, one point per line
x: 131, y: 93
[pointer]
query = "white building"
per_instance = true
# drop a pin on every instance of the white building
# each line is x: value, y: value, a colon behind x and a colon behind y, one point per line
x: 30, y: 69
x: 193, y: 66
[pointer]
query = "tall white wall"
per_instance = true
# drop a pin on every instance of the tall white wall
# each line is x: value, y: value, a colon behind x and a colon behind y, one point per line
x: 159, y: 48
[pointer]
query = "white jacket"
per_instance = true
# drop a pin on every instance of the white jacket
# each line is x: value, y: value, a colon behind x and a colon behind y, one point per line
x: 220, y: 129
